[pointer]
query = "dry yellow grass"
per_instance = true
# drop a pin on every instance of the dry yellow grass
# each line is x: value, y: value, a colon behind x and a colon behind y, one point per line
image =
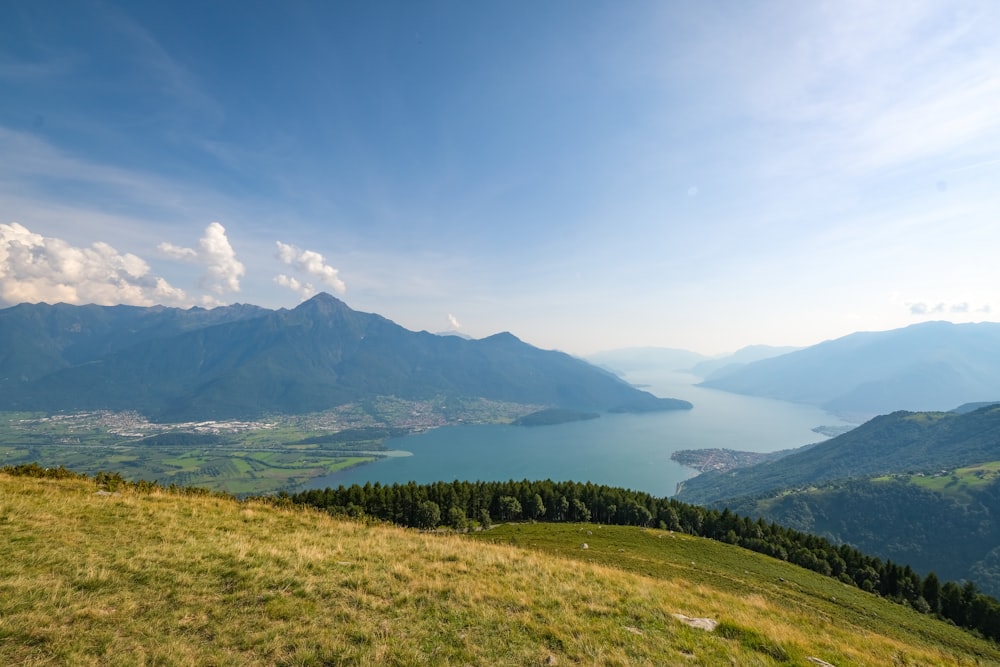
x: 156, y: 578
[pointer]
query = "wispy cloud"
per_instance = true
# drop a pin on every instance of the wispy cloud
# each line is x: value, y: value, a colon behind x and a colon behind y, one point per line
x: 453, y: 321
x: 161, y: 71
x: 44, y: 176
x: 866, y: 86
x: 310, y: 263
x: 922, y: 308
x: 35, y: 268
x: 32, y: 71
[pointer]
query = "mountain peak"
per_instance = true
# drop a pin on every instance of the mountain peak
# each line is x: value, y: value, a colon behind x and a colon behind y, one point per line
x: 322, y: 303
x: 318, y: 355
x: 503, y: 337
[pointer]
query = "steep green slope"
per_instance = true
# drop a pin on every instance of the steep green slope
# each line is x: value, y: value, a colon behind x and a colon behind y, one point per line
x: 898, y: 487
x: 155, y: 577
x: 896, y: 443
x: 943, y: 525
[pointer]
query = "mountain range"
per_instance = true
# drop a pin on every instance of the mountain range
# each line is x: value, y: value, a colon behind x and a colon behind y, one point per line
x: 730, y: 363
x: 244, y: 361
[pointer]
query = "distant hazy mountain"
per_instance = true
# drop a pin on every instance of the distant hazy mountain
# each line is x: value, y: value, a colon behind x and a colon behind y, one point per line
x: 246, y: 361
x: 930, y: 366
x: 452, y: 332
x: 633, y: 359
x: 713, y: 368
x: 971, y: 407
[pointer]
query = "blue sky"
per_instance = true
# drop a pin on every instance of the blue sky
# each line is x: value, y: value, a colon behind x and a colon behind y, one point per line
x: 587, y: 175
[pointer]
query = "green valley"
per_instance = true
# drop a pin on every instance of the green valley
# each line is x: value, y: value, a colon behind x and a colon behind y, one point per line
x: 281, y: 452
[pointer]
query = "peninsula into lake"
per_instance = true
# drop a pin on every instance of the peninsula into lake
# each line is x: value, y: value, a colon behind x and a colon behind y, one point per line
x: 721, y: 460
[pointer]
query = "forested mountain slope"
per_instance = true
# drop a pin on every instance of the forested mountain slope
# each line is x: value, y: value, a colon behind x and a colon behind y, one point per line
x: 921, y: 488
x: 896, y: 443
x: 948, y: 524
x: 246, y: 362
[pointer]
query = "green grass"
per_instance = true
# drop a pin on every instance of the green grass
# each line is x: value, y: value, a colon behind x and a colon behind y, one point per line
x: 961, y: 479
x: 794, y: 597
x: 957, y: 482
x: 928, y: 417
x: 261, y: 457
x: 160, y: 578
x: 238, y: 468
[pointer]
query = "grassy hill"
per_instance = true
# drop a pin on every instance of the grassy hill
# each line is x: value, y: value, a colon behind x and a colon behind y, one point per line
x: 157, y: 577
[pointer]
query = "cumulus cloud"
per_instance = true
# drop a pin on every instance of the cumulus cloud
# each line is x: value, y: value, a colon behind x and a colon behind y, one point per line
x: 453, y: 321
x: 177, y: 252
x: 305, y: 290
x: 35, y: 268
x: 310, y: 263
x: 222, y: 270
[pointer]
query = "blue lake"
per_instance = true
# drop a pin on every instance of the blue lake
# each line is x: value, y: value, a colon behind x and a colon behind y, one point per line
x: 631, y: 451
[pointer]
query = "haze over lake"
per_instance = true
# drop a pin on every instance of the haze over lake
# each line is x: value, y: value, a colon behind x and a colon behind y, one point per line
x: 627, y: 450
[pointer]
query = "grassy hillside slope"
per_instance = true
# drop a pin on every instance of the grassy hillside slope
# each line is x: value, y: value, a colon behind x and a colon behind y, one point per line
x: 154, y: 577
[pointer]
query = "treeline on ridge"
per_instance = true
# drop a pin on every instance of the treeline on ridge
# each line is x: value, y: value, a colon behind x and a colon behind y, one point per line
x: 457, y: 504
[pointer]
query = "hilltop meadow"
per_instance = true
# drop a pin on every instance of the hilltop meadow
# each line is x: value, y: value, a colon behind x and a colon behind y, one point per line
x: 146, y: 575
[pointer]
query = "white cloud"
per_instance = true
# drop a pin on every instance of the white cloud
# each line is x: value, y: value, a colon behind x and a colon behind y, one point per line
x: 305, y: 290
x: 177, y: 252
x: 861, y: 86
x: 35, y: 268
x: 167, y: 293
x: 223, y: 270
x: 922, y: 308
x: 287, y: 253
x: 223, y: 267
x: 310, y: 263
x: 453, y: 321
